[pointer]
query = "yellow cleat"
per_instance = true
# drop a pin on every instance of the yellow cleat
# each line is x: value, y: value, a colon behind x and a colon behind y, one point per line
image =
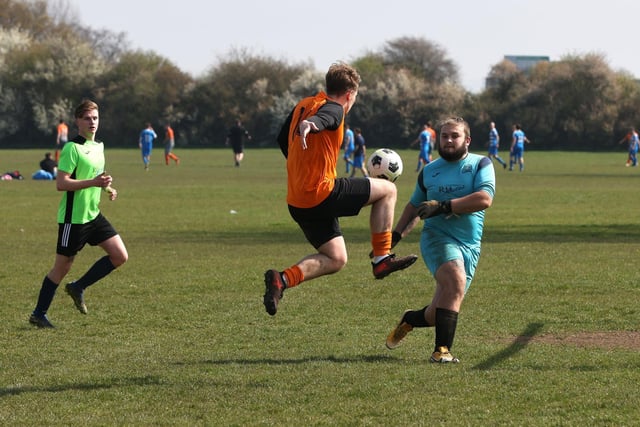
x: 442, y: 355
x: 395, y: 337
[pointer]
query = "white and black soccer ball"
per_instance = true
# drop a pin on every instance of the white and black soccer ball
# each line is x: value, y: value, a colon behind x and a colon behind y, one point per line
x: 385, y: 163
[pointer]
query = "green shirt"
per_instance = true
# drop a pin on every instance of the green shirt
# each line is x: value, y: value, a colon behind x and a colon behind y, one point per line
x: 82, y: 159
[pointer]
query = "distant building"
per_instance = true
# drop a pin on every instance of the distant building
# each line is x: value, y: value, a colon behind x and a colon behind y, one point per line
x: 524, y: 63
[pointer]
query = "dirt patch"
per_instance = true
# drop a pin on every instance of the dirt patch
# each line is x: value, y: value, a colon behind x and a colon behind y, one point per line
x: 612, y: 339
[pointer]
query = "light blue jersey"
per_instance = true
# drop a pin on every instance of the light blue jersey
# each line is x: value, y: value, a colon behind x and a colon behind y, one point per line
x: 519, y: 137
x: 493, y: 137
x: 425, y: 145
x: 349, y: 144
x: 634, y: 143
x: 456, y: 236
x: 449, y: 180
x: 146, y: 140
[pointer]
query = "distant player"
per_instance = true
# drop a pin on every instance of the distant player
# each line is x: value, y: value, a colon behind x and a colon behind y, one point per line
x: 169, y: 143
x: 634, y: 145
x: 359, y: 153
x: 235, y: 137
x: 146, y: 144
x: 517, y: 147
x: 494, y: 143
x: 62, y: 136
x: 424, y: 139
x: 349, y: 146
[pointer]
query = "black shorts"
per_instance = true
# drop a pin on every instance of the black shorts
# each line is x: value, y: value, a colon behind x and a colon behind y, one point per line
x: 238, y: 147
x: 320, y: 223
x: 73, y: 237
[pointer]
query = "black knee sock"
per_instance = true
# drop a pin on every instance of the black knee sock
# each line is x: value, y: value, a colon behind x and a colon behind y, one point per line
x: 416, y: 318
x: 101, y: 268
x: 446, y: 322
x: 47, y: 292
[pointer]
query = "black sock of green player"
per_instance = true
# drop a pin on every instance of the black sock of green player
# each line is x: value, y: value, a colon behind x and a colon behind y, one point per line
x: 47, y: 292
x: 101, y: 268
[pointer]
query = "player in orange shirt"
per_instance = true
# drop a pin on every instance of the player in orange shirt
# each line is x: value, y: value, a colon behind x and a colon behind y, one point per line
x: 434, y: 141
x: 311, y: 139
x: 169, y: 143
x: 62, y: 136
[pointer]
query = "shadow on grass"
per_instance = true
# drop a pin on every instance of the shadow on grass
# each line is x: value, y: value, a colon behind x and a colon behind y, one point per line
x: 518, y: 345
x: 104, y: 384
x: 300, y: 361
x: 563, y: 233
x: 546, y: 233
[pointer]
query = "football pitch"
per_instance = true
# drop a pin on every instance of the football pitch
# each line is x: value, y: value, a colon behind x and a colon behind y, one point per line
x: 548, y: 333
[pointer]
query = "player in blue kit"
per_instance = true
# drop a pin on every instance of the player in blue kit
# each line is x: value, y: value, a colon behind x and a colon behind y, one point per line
x: 494, y: 143
x: 517, y: 147
x: 634, y: 145
x: 349, y: 145
x: 146, y: 144
x: 424, y: 139
x: 451, y: 195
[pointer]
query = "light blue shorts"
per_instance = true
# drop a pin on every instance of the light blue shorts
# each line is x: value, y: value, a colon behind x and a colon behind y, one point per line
x: 438, y: 249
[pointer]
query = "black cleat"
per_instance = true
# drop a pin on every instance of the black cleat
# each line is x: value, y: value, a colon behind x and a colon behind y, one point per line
x: 390, y: 264
x: 40, y: 321
x: 274, y: 289
x: 77, y: 297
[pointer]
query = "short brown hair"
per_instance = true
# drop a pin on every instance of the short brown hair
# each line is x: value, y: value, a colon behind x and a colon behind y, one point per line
x: 86, y: 105
x: 457, y: 121
x: 341, y: 78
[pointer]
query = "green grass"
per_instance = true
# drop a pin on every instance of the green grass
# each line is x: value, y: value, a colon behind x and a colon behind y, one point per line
x: 179, y: 336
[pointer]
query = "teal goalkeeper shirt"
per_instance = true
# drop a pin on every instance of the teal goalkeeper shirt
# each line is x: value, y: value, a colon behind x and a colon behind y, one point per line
x: 441, y: 180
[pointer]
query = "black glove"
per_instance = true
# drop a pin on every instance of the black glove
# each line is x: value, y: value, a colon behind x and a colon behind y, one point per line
x: 432, y: 208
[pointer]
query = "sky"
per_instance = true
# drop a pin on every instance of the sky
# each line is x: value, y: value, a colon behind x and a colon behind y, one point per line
x: 475, y: 35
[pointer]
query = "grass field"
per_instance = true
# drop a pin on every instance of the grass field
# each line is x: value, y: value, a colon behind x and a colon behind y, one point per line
x: 548, y: 333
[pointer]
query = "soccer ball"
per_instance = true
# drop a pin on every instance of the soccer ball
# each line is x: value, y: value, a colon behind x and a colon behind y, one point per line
x: 385, y: 163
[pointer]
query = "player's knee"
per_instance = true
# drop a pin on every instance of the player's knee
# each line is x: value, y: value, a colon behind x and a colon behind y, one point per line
x: 338, y: 262
x: 119, y: 258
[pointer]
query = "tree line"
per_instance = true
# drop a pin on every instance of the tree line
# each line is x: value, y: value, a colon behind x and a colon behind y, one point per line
x: 49, y: 62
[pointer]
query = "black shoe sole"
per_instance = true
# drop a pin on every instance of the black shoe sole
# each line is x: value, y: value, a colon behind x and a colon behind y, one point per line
x: 270, y: 301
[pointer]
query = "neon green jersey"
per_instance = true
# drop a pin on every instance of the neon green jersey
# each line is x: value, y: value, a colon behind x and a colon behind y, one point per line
x: 82, y: 159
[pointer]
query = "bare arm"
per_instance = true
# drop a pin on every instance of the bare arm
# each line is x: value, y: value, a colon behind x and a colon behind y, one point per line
x: 64, y: 182
x: 473, y: 202
x: 407, y: 221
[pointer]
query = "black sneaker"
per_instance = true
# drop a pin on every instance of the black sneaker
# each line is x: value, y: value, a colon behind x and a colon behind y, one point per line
x: 274, y: 289
x: 40, y: 321
x: 77, y: 297
x: 390, y: 264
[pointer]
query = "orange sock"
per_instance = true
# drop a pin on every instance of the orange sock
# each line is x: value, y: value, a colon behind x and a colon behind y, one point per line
x: 294, y: 276
x: 381, y: 243
x: 166, y: 160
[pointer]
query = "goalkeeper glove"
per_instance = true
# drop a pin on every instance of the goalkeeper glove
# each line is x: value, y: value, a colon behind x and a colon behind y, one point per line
x: 432, y: 208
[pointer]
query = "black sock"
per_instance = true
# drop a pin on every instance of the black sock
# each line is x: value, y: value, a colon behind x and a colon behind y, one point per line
x: 101, y: 268
x: 416, y: 318
x: 47, y: 292
x: 446, y: 322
